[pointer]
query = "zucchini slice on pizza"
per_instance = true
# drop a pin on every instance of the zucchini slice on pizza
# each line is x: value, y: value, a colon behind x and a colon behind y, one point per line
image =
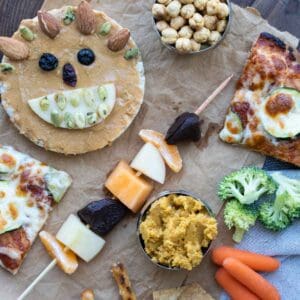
x: 28, y: 191
x: 264, y: 114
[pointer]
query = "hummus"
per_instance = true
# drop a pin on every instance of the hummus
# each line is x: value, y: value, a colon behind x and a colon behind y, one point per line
x: 28, y: 81
x: 175, y: 230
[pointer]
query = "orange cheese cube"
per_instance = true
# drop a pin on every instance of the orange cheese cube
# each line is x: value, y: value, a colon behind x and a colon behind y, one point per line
x: 130, y: 189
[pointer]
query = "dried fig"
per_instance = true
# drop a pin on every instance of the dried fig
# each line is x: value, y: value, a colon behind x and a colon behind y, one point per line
x: 185, y: 127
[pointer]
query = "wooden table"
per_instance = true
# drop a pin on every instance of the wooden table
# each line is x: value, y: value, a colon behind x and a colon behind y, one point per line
x: 283, y: 14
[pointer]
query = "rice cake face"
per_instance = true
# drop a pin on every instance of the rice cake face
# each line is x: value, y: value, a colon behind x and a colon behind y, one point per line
x: 29, y: 81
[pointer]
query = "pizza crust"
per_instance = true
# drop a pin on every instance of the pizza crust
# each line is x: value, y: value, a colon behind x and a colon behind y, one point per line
x: 271, y: 64
x: 29, y: 81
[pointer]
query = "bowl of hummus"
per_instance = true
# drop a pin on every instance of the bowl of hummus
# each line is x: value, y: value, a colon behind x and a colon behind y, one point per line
x: 175, y: 230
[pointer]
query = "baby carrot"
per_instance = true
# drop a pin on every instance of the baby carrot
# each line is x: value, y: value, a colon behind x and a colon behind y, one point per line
x: 252, y: 280
x: 234, y: 289
x: 255, y: 261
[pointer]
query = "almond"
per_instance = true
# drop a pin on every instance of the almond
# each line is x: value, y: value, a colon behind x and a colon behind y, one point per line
x: 13, y: 49
x: 85, y: 18
x: 119, y: 40
x: 48, y: 24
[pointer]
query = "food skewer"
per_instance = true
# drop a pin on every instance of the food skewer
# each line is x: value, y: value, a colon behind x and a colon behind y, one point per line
x: 37, y: 280
x: 187, y: 125
x: 61, y: 244
x: 213, y: 95
x: 64, y: 248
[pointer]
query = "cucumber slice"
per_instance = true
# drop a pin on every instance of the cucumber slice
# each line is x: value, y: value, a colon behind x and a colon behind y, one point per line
x: 57, y: 183
x: 232, y: 131
x: 7, y: 162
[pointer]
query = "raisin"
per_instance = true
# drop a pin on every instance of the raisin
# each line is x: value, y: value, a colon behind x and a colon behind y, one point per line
x: 86, y: 56
x: 48, y: 62
x: 69, y: 75
x: 102, y: 215
x: 186, y: 127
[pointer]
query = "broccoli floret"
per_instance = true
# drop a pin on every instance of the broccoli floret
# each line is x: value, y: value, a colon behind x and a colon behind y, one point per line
x: 279, y: 214
x: 292, y: 187
x: 246, y: 185
x: 275, y: 215
x: 239, y: 216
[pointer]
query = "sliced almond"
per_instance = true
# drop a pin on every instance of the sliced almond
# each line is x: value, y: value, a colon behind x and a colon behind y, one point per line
x: 13, y: 49
x: 119, y: 40
x: 85, y: 18
x: 48, y: 24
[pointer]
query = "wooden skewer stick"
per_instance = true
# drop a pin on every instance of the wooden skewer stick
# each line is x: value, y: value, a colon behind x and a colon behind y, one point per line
x: 35, y: 282
x: 197, y: 112
x: 218, y: 90
x: 42, y: 275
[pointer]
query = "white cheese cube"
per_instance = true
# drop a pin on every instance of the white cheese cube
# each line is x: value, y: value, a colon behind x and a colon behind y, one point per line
x: 80, y: 239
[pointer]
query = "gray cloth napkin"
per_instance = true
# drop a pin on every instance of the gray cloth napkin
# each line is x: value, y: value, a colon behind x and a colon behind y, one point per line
x: 284, y: 245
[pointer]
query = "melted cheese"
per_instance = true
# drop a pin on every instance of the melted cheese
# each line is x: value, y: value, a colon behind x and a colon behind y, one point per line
x: 10, y: 252
x: 16, y: 213
x: 282, y: 122
x: 232, y: 131
x: 261, y: 123
x: 18, y: 206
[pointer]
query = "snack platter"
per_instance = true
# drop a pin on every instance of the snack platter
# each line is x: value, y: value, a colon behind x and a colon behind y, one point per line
x: 86, y: 95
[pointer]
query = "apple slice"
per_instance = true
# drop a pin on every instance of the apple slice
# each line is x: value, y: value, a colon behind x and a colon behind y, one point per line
x: 65, y: 258
x: 150, y: 162
x: 81, y: 240
x: 76, y: 109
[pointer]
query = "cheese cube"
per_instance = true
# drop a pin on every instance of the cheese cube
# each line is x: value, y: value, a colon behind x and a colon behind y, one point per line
x: 81, y: 240
x: 130, y: 189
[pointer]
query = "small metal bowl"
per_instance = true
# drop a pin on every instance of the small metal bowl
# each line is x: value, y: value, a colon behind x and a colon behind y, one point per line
x: 143, y: 215
x: 206, y: 46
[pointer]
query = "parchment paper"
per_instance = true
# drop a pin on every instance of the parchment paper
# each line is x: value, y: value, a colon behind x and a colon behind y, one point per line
x: 173, y: 84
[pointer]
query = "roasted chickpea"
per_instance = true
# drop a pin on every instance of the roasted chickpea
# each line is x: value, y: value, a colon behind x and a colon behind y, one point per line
x: 221, y: 25
x: 187, y: 11
x: 173, y: 8
x: 202, y: 35
x: 210, y: 22
x: 169, y: 35
x: 164, y: 2
x: 223, y: 11
x: 185, y: 32
x: 159, y: 11
x: 162, y: 25
x: 195, y: 46
x: 177, y: 22
x: 196, y: 22
x: 87, y: 294
x: 212, y: 7
x: 214, y: 37
x: 200, y: 4
x: 186, y: 1
x: 184, y: 45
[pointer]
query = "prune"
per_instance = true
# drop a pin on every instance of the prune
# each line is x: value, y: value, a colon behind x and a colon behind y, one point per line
x: 69, y: 75
x: 102, y: 215
x: 86, y: 56
x: 185, y: 127
x: 48, y: 62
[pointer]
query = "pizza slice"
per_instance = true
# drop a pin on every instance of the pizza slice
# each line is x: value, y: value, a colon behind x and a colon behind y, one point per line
x: 264, y: 114
x: 28, y: 191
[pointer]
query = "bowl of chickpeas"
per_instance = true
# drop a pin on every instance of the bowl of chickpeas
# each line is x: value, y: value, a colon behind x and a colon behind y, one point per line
x: 191, y: 26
